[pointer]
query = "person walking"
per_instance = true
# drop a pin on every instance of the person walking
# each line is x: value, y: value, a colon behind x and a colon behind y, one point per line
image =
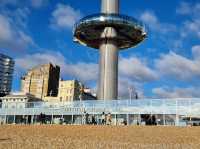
x: 93, y: 120
x: 87, y: 118
x: 109, y: 119
x: 103, y: 118
x: 84, y: 118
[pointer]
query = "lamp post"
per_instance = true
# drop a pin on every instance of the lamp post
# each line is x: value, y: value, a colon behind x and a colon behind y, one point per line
x: 130, y: 93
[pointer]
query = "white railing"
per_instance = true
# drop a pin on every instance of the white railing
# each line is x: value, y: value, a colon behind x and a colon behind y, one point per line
x: 190, y: 106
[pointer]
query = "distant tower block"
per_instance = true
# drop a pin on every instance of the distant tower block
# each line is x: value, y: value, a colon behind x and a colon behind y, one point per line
x: 109, y: 32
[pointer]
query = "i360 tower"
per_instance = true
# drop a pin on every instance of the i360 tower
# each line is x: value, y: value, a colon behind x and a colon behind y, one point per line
x: 109, y: 32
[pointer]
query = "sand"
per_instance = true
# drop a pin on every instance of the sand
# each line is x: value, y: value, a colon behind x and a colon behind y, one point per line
x: 100, y: 137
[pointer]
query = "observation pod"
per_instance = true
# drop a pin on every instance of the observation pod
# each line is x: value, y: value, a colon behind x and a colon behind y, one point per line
x: 88, y: 31
x: 109, y: 32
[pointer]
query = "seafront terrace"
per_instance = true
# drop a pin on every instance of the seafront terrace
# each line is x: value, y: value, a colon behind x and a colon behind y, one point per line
x: 167, y: 111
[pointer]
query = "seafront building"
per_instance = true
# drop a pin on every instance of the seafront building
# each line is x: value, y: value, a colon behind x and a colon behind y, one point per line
x: 17, y: 100
x: 6, y: 74
x: 41, y: 81
x: 69, y: 91
x: 179, y: 112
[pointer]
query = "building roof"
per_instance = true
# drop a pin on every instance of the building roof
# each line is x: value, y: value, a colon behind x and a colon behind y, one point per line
x: 43, y: 65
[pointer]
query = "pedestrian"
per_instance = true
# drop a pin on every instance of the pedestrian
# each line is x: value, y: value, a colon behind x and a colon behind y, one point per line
x: 93, y: 120
x: 87, y: 118
x: 103, y: 118
x: 84, y: 118
x: 109, y: 119
x: 40, y: 118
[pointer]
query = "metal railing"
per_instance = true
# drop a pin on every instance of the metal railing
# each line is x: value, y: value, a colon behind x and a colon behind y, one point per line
x: 189, y: 106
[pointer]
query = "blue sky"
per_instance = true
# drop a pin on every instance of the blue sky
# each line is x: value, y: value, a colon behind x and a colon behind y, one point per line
x: 167, y: 64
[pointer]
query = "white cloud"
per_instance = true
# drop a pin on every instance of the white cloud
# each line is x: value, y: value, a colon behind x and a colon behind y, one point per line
x: 149, y: 18
x: 166, y: 92
x: 124, y: 84
x: 136, y: 70
x: 177, y: 66
x: 29, y: 3
x: 8, y: 2
x: 133, y: 72
x: 131, y: 67
x: 81, y: 70
x: 192, y: 25
x: 31, y: 60
x: 5, y: 29
x: 64, y: 16
x: 39, y: 3
x: 12, y: 36
x: 187, y: 8
x: 184, y: 8
x: 196, y: 52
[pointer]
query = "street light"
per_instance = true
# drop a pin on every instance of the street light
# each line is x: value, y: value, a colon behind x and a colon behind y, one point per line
x: 130, y: 89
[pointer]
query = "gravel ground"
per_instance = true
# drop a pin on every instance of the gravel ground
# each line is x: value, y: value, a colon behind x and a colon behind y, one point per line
x: 98, y: 137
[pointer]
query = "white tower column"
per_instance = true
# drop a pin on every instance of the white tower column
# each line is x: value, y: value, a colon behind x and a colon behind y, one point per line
x: 110, y: 6
x: 108, y: 63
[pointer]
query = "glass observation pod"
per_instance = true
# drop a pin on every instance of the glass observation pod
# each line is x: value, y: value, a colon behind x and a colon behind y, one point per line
x: 130, y: 32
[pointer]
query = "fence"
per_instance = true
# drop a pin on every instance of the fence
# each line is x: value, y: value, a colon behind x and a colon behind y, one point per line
x: 166, y: 111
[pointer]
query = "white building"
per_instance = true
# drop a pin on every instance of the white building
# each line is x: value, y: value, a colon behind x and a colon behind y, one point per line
x: 17, y: 100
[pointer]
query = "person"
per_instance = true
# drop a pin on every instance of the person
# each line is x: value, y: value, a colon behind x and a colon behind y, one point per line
x: 103, y: 118
x: 93, y: 120
x: 42, y: 118
x: 84, y: 118
x: 153, y: 120
x: 108, y: 119
x: 61, y: 120
x: 125, y: 122
x: 87, y: 118
x: 29, y: 119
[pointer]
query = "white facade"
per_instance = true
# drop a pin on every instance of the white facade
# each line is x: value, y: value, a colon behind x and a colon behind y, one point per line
x: 16, y: 101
